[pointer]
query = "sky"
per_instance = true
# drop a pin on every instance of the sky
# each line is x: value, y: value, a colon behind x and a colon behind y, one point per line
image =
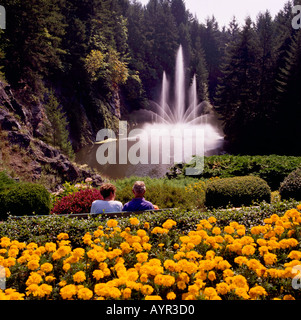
x: 224, y: 10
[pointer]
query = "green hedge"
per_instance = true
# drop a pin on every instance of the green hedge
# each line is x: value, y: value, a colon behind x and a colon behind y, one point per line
x: 291, y: 186
x: 273, y: 168
x: 24, y: 199
x: 237, y: 192
x: 46, y: 229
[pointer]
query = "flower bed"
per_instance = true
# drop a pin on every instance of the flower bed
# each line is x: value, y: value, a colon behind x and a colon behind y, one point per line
x: 140, y: 262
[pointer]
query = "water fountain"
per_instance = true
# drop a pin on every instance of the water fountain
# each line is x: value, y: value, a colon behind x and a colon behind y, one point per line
x: 183, y: 110
x: 168, y: 133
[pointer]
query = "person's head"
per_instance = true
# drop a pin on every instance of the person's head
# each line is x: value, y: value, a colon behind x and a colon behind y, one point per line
x: 108, y: 190
x: 139, y: 189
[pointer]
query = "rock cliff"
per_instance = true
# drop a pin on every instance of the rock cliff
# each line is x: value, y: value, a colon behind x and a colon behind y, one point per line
x: 22, y: 151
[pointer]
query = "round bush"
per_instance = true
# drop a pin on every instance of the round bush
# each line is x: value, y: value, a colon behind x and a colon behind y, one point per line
x: 78, y: 202
x: 237, y: 191
x: 25, y: 199
x: 291, y: 186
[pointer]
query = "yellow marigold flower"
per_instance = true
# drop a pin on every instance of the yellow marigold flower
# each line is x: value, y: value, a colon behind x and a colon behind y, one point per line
x: 248, y: 250
x: 146, y: 246
x: 63, y: 236
x: 87, y: 238
x: 263, y: 250
x: 241, y: 260
x: 46, y: 288
x: 34, y: 289
x: 142, y: 257
x: 134, y: 221
x: 141, y: 233
x: 169, y: 224
x: 241, y: 292
x: 229, y: 230
x: 33, y: 265
x: 78, y: 252
x: 98, y: 274
x: 34, y: 278
x: 241, y: 231
x: 146, y: 225
x: 222, y: 288
x: 125, y: 247
x: 212, y: 220
x: 181, y: 285
x: 144, y: 278
x: 79, y: 276
x: 295, y: 255
x: 210, y: 255
x: 63, y: 251
x: 211, y: 276
x: 223, y: 265
x: 270, y: 258
x: 256, y: 292
x: 216, y: 231
x: 209, y: 293
x: 137, y: 247
x: 49, y: 278
x: 85, y: 294
x: 68, y: 291
x: 171, y: 296
x: 126, y: 294
x: 4, y: 242
x: 288, y: 297
x: 228, y: 273
x: 112, y: 223
x: 66, y: 267
x: 261, y: 242
x: 62, y: 283
x: 147, y: 290
x: 46, y: 267
x: 50, y: 247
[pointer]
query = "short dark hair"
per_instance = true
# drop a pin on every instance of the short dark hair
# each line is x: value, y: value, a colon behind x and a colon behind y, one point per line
x: 106, y: 189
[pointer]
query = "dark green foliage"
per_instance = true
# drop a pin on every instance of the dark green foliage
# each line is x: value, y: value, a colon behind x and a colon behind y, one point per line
x: 273, y: 169
x: 56, y: 131
x: 161, y: 192
x: 25, y: 199
x: 5, y: 181
x: 291, y: 186
x: 237, y: 191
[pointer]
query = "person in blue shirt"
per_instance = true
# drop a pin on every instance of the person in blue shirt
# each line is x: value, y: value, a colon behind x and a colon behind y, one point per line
x: 138, y: 203
x: 108, y: 204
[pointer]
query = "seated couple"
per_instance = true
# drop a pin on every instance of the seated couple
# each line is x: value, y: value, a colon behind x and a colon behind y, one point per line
x: 109, y: 205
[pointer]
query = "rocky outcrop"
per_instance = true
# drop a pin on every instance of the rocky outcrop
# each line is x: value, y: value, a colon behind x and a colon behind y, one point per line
x: 21, y: 129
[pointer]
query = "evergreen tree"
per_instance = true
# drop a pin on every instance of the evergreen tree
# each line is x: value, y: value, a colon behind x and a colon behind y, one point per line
x: 238, y: 90
x: 56, y: 131
x: 33, y: 41
x: 210, y: 40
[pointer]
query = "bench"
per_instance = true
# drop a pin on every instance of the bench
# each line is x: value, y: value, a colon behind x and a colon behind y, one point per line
x: 123, y: 214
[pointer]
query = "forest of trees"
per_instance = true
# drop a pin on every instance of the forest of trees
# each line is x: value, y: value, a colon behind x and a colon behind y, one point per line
x: 90, y: 56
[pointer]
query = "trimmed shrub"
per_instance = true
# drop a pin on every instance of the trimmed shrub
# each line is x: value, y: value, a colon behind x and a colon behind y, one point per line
x: 273, y: 168
x: 78, y: 202
x: 291, y: 186
x: 237, y: 192
x: 25, y: 199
